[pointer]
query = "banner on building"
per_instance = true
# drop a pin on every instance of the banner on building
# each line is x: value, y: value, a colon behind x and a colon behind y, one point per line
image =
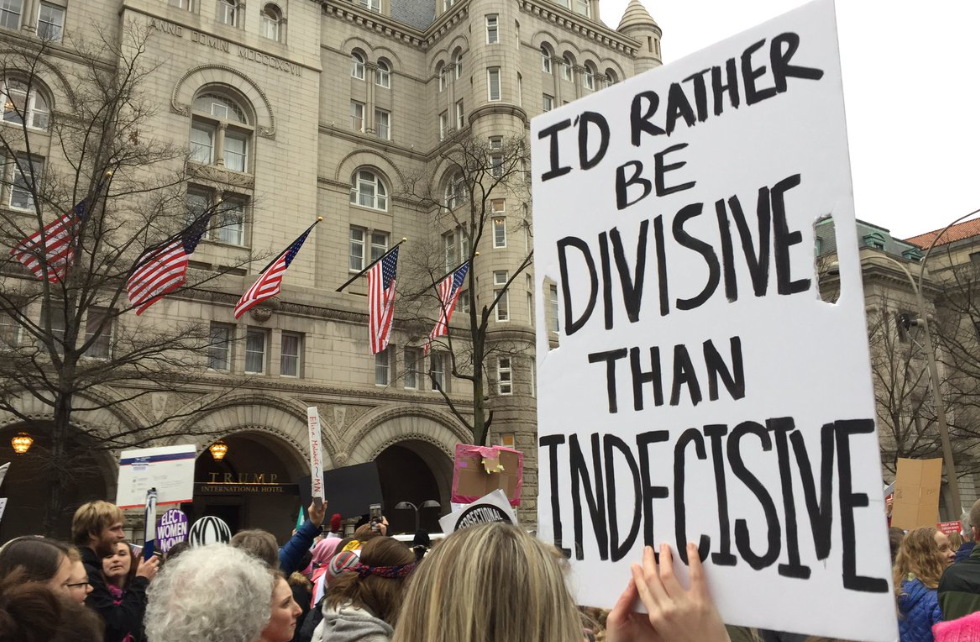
x: 702, y: 391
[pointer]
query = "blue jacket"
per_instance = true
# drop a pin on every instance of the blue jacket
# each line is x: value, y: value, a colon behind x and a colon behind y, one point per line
x: 291, y: 554
x: 963, y: 552
x: 918, y: 608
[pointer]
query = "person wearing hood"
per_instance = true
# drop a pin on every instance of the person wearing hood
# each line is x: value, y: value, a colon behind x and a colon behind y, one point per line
x: 362, y: 604
x: 924, y: 555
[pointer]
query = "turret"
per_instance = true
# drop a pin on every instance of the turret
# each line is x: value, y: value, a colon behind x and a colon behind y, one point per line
x: 640, y: 26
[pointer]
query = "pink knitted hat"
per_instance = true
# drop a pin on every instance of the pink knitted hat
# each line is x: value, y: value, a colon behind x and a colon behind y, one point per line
x: 965, y: 629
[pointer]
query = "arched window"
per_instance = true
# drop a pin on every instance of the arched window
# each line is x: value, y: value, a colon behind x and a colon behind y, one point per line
x: 21, y: 105
x: 357, y: 65
x: 221, y: 133
x: 455, y: 191
x: 588, y: 77
x: 443, y: 73
x: 382, y: 74
x: 545, y: 59
x: 271, y: 22
x: 458, y: 65
x: 566, y: 67
x: 611, y: 77
x: 367, y: 190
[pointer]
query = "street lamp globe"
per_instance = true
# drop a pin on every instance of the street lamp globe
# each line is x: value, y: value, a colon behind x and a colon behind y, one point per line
x: 21, y: 443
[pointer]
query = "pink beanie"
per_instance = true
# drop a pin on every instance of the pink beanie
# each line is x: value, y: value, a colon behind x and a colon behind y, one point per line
x: 965, y: 629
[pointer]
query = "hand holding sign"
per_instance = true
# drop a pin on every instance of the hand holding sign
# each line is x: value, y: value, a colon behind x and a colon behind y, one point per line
x: 673, y: 613
x: 317, y: 511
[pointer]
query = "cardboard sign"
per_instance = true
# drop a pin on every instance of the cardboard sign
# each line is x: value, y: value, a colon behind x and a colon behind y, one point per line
x: 316, y: 461
x: 949, y: 527
x: 171, y: 529
x: 494, y: 507
x: 209, y: 530
x: 917, y: 483
x: 169, y: 469
x: 702, y: 391
x: 479, y: 470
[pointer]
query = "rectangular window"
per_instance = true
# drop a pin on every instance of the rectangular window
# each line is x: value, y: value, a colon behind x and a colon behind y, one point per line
x: 566, y: 69
x: 9, y: 331
x: 413, y: 357
x: 584, y: 7
x: 382, y: 123
x: 520, y: 89
x: 499, y: 232
x: 27, y: 175
x: 371, y: 5
x: 357, y: 116
x: 553, y: 304
x: 230, y: 222
x: 437, y: 371
x: 449, y: 244
x: 547, y: 103
x: 459, y: 114
x: 382, y: 369
x: 493, y: 37
x: 503, y: 305
x: 443, y: 125
x: 379, y: 245
x: 255, y: 341
x: 228, y: 12
x: 269, y: 25
x: 55, y: 315
x: 507, y: 440
x: 355, y: 261
x: 493, y: 83
x: 10, y: 13
x: 496, y: 156
x: 219, y: 349
x: 236, y: 151
x: 505, y: 381
x: 50, y: 22
x: 197, y: 202
x: 98, y: 330
x: 463, y: 304
x: 291, y: 354
x: 545, y: 61
x: 202, y: 143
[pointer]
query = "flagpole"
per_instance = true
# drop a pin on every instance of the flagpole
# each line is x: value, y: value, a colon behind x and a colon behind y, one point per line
x: 373, y: 263
x: 319, y: 219
x: 439, y: 280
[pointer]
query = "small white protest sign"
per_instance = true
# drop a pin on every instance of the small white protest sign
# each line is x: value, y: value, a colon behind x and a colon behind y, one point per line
x: 209, y: 530
x: 492, y: 507
x: 3, y: 506
x: 3, y: 471
x: 702, y: 390
x: 169, y: 469
x: 316, y: 460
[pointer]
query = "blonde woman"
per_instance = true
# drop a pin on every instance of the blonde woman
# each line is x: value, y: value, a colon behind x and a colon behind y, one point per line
x: 924, y: 555
x: 496, y: 583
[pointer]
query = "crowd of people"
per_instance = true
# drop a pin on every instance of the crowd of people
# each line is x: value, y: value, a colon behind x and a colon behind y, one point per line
x: 487, y: 583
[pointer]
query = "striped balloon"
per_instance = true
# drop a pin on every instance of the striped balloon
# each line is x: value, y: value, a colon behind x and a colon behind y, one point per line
x: 209, y: 530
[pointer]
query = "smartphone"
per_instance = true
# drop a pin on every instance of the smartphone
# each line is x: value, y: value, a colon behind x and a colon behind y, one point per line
x: 375, y: 512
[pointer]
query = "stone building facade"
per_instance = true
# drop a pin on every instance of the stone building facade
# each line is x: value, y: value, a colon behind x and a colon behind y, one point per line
x: 297, y: 109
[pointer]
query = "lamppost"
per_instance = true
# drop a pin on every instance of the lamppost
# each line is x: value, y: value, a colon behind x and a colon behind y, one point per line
x: 429, y: 503
x: 937, y: 397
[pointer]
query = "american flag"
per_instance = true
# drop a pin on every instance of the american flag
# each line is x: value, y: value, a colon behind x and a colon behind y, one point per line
x: 448, y: 292
x: 58, y: 246
x: 268, y: 285
x: 163, y: 269
x: 381, y: 299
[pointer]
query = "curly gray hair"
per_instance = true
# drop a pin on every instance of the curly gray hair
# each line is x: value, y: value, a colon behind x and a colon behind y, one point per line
x: 210, y: 594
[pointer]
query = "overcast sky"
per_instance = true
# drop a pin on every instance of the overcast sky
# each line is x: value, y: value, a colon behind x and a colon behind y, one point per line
x: 911, y: 90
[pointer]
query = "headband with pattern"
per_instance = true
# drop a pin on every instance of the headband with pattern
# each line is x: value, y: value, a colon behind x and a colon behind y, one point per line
x: 390, y: 572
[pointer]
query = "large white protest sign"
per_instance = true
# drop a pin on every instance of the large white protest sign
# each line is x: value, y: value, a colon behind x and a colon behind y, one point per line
x: 492, y: 507
x: 702, y: 390
x: 316, y: 459
x: 169, y: 469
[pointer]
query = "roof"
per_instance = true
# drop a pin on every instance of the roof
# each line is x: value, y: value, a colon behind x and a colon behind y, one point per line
x: 636, y: 15
x: 868, y: 235
x: 415, y: 13
x: 954, y: 233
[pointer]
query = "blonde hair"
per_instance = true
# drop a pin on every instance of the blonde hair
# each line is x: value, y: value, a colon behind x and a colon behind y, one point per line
x: 91, y: 519
x: 492, y: 583
x: 919, y: 556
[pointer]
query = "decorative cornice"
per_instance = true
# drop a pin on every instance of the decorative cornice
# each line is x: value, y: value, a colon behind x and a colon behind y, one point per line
x: 574, y: 24
x: 374, y: 21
